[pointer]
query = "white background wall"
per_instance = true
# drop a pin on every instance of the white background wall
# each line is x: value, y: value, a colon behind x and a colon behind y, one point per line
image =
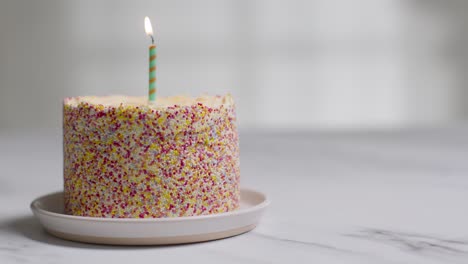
x: 290, y: 64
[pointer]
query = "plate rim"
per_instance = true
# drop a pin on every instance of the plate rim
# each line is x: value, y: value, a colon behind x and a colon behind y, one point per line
x: 37, y: 209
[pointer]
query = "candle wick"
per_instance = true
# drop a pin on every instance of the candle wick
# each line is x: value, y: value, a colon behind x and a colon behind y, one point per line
x: 152, y: 39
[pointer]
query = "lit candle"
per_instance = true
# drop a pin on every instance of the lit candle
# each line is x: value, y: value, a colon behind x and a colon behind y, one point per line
x: 152, y: 62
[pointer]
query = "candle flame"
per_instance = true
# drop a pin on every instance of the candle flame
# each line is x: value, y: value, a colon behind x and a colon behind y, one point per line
x: 148, y: 27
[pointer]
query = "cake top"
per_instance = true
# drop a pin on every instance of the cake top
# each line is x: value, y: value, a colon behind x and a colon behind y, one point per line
x: 161, y: 102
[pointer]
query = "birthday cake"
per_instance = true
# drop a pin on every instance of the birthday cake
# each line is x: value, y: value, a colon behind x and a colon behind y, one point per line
x: 126, y: 158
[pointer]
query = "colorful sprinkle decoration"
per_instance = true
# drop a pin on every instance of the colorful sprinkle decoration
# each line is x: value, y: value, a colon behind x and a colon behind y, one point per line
x: 137, y: 160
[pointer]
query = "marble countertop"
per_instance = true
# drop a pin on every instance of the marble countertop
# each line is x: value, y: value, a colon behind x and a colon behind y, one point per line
x: 374, y: 197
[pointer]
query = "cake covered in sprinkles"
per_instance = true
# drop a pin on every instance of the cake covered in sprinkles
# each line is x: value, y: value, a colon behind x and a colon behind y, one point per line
x: 125, y: 158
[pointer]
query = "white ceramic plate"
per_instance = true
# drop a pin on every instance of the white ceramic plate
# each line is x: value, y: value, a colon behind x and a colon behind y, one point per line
x: 148, y: 231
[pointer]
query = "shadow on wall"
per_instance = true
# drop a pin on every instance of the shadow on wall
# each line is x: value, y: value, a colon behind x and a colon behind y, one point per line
x: 436, y: 59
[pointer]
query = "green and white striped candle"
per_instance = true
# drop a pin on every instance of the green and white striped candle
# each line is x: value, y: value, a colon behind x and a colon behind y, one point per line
x: 152, y: 63
x: 152, y: 74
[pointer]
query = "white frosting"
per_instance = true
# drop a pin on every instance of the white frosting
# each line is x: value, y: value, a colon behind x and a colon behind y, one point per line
x: 161, y: 102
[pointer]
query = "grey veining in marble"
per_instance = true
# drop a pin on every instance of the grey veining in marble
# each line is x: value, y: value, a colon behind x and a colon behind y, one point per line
x: 374, y: 197
x: 414, y: 242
